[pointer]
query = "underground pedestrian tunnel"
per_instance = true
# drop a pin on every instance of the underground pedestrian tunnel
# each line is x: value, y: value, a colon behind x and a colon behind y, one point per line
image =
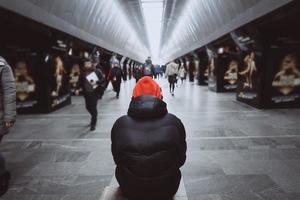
x: 239, y: 98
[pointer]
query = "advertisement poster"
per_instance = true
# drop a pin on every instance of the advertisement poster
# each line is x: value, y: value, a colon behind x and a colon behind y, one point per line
x: 74, y: 76
x: 58, y: 81
x: 249, y: 85
x: 248, y: 71
x: 248, y: 77
x: 24, y: 67
x: 231, y: 74
x: 26, y: 85
x: 285, y: 82
x: 212, y: 71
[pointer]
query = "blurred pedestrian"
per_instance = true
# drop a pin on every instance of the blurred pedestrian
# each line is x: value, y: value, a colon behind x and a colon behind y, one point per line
x: 171, y: 74
x: 182, y: 73
x: 115, y: 76
x: 92, y: 83
x: 7, y: 114
x: 148, y: 68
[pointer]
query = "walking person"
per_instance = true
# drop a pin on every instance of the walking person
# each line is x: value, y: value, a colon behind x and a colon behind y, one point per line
x: 7, y: 114
x: 171, y: 74
x: 115, y: 76
x: 148, y: 146
x: 96, y: 64
x: 92, y: 83
x: 138, y: 72
x: 182, y: 73
x: 157, y: 71
x: 148, y: 68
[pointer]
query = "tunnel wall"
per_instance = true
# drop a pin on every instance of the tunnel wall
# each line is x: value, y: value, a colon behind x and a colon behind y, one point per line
x: 267, y: 57
x: 90, y: 21
x: 274, y: 77
x: 44, y: 62
x: 206, y: 21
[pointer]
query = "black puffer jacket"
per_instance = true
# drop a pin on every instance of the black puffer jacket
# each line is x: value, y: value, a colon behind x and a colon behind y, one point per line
x: 148, y: 147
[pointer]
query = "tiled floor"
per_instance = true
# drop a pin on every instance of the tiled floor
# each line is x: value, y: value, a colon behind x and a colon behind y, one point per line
x: 235, y: 152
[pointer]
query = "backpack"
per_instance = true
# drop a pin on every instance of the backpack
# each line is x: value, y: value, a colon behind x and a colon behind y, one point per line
x: 116, y: 73
x: 147, y: 71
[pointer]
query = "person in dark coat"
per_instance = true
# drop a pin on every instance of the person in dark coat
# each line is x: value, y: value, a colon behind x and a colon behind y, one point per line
x: 92, y: 83
x: 138, y: 72
x: 96, y: 64
x: 148, y: 68
x: 115, y: 76
x: 148, y: 146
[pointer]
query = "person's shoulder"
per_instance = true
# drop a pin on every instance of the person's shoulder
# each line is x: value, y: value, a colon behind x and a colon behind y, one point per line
x: 121, y: 120
x: 173, y: 118
x: 2, y: 61
x: 4, y: 64
x: 170, y: 120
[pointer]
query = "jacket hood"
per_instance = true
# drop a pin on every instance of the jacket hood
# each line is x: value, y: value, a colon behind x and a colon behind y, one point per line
x: 147, y: 107
x: 146, y: 86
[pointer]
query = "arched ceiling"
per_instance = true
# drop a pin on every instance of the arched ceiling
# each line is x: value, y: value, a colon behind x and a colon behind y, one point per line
x: 116, y: 25
x: 190, y: 24
x: 119, y: 25
x: 134, y: 12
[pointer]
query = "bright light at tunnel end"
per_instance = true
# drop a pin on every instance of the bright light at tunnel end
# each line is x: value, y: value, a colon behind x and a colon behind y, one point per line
x: 153, y: 12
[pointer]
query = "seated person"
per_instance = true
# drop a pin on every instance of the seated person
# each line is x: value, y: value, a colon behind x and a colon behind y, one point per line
x: 148, y: 146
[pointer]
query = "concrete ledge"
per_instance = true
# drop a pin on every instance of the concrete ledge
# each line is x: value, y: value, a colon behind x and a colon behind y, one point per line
x: 113, y: 192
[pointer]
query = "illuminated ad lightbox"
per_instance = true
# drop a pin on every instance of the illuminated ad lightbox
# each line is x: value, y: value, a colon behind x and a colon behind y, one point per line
x: 212, y: 71
x: 57, y: 76
x: 223, y: 66
x: 249, y: 83
x: 58, y: 87
x: 230, y: 73
x: 74, y: 74
x: 24, y: 68
x: 283, y: 82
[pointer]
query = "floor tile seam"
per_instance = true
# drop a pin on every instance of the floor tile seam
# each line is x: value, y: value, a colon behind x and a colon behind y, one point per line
x: 188, y: 138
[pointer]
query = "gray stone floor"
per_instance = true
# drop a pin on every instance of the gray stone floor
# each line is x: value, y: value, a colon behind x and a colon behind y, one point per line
x: 234, y: 151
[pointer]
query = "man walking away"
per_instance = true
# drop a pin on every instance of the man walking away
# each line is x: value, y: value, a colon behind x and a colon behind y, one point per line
x: 115, y: 76
x: 7, y: 114
x: 92, y: 83
x: 171, y: 74
x: 182, y: 73
x: 138, y: 73
x: 148, y: 68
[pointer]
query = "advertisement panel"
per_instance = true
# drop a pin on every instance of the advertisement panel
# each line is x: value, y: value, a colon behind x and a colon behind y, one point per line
x: 212, y: 71
x: 249, y: 84
x: 231, y: 74
x: 25, y: 85
x: 74, y: 74
x: 57, y: 76
x: 57, y: 81
x: 227, y: 68
x: 283, y: 84
x: 24, y: 66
